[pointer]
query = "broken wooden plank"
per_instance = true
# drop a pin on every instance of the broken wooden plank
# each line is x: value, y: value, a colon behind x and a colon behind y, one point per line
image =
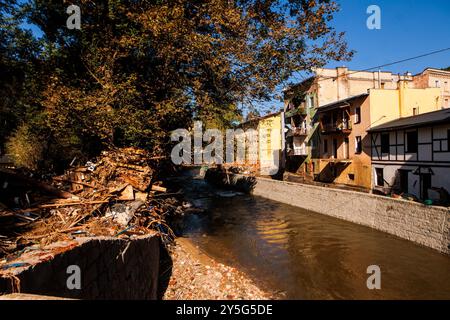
x: 66, y: 204
x: 134, y: 183
x: 127, y: 194
x: 75, y: 182
x: 131, y: 166
x: 158, y: 188
x: 40, y: 185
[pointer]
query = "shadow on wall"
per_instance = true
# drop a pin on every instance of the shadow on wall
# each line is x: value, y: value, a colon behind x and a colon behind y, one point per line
x: 332, y: 171
x: 165, y: 270
x: 294, y: 163
x: 110, y: 269
x: 279, y: 167
x: 355, y: 173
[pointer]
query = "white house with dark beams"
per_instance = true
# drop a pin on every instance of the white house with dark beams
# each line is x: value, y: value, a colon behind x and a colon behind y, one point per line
x: 412, y: 156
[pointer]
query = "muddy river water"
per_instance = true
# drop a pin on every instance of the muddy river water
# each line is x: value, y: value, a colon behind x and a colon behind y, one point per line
x: 306, y: 255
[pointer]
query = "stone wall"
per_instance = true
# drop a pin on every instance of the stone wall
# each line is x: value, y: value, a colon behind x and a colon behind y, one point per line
x: 428, y: 226
x: 110, y: 268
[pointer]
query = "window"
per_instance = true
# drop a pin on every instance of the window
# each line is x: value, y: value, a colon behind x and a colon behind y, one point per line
x: 358, y: 144
x: 415, y: 112
x: 426, y: 184
x: 379, y: 177
x: 335, y: 149
x: 325, y: 146
x: 437, y: 83
x: 382, y: 85
x: 351, y: 176
x: 403, y: 176
x: 346, y: 149
x: 385, y: 143
x: 411, y: 142
x: 448, y: 140
x: 357, y: 115
x: 311, y: 101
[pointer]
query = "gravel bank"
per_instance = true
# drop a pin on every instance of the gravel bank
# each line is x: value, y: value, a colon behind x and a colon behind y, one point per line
x: 196, y: 276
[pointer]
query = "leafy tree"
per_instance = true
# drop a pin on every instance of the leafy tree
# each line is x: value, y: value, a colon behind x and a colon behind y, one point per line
x: 139, y: 69
x: 18, y: 70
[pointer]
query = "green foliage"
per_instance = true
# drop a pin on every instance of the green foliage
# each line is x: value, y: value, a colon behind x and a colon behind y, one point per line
x: 140, y: 69
x: 26, y: 147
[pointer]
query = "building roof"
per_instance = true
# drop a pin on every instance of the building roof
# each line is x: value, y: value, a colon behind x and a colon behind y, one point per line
x: 295, y: 85
x: 338, y: 104
x: 273, y: 114
x: 435, y: 70
x: 421, y: 120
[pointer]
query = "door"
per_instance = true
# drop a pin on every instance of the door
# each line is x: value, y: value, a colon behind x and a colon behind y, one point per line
x: 426, y: 184
x: 403, y: 180
x: 335, y: 148
x: 346, y: 148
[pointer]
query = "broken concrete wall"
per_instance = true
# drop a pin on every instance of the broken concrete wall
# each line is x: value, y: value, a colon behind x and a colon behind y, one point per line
x: 111, y: 268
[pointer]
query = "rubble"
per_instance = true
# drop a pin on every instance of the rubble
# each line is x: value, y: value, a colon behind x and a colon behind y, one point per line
x: 196, y: 276
x: 113, y: 195
x: 116, y: 196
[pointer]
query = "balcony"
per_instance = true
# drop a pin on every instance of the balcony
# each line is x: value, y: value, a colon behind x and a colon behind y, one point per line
x: 292, y: 112
x: 336, y: 160
x: 301, y: 151
x: 344, y: 127
x: 298, y: 132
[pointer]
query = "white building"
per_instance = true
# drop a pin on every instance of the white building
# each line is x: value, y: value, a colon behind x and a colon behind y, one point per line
x: 412, y: 156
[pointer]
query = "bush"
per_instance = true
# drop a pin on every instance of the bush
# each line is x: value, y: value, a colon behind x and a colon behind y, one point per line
x: 26, y: 148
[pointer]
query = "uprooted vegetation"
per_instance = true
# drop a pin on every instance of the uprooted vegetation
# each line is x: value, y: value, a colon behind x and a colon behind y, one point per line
x: 115, y: 195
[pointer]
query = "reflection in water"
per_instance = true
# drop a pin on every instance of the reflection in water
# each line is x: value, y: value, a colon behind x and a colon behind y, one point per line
x: 311, y: 256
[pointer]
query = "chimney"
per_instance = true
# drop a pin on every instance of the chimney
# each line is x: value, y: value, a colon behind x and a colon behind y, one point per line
x: 402, y: 86
x: 342, y: 83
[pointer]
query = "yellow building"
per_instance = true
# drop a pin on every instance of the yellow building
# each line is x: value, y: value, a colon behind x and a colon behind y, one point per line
x: 271, y: 143
x: 344, y: 144
x: 270, y: 139
x: 388, y: 105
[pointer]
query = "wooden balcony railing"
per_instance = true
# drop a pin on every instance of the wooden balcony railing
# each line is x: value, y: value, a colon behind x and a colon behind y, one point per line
x: 340, y: 126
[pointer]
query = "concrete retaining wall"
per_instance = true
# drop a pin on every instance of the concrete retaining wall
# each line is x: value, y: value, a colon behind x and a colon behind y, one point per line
x: 428, y: 226
x: 110, y: 268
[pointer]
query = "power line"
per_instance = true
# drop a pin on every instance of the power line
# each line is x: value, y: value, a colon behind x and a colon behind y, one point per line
x: 389, y: 64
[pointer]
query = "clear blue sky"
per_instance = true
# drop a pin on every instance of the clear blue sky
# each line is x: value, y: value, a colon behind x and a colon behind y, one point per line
x: 408, y: 28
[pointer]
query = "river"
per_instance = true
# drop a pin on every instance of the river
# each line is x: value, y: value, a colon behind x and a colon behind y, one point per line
x: 305, y: 255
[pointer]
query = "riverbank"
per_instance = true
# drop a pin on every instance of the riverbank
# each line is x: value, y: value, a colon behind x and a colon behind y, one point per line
x: 197, y: 276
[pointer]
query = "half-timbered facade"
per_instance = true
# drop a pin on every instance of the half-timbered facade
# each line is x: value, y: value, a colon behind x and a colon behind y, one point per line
x: 412, y: 155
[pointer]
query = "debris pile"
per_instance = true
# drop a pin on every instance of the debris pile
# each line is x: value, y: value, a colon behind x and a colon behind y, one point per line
x: 114, y: 195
